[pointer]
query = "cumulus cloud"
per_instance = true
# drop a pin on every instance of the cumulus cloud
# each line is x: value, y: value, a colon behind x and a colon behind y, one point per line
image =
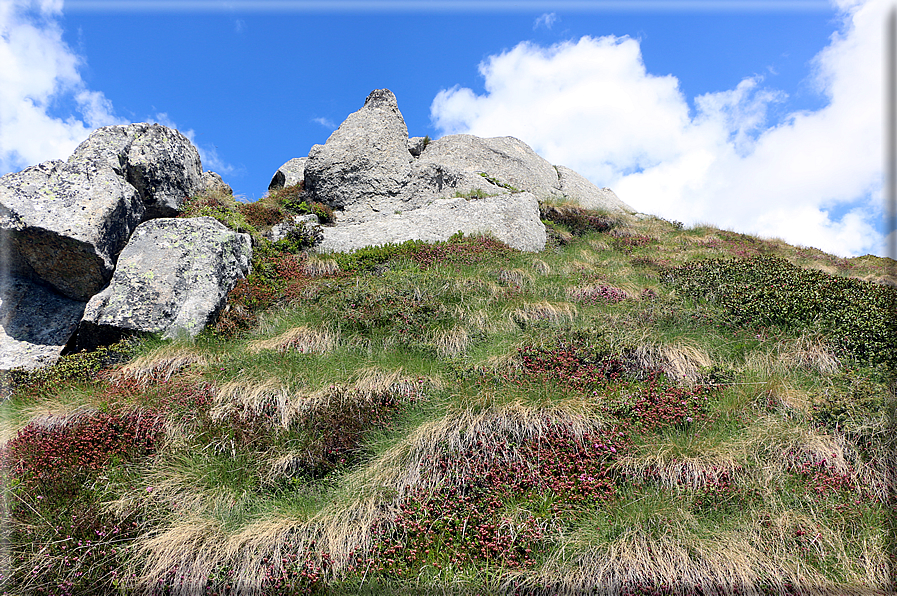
x: 813, y: 178
x: 38, y: 71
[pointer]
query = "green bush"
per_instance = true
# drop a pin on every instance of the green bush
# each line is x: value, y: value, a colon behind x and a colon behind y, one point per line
x: 858, y: 316
x: 220, y: 206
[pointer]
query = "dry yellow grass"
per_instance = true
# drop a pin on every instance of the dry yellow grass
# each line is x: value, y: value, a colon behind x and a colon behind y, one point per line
x: 304, y: 339
x: 541, y: 267
x: 451, y: 343
x: 160, y: 364
x: 670, y: 552
x: 283, y: 406
x: 515, y: 277
x: 698, y: 465
x: 775, y: 446
x: 808, y: 352
x: 682, y: 360
x: 556, y: 313
x: 316, y: 266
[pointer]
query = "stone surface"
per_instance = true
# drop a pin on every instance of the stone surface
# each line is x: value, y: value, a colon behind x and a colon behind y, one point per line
x: 66, y: 222
x: 160, y: 162
x: 35, y: 323
x: 211, y: 181
x: 511, y: 218
x: 364, y: 166
x: 578, y: 188
x: 505, y: 160
x: 289, y: 174
x: 172, y: 278
x: 416, y: 145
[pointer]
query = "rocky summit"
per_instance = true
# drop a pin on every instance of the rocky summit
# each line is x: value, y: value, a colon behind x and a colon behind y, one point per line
x: 386, y: 187
x: 91, y: 252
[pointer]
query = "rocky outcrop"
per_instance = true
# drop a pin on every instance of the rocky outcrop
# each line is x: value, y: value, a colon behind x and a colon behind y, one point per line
x: 507, y: 163
x: 369, y: 169
x: 35, y: 323
x: 160, y: 162
x: 172, y: 278
x: 364, y: 166
x: 289, y: 174
x: 66, y: 222
x: 64, y: 225
x: 513, y: 219
x: 212, y: 182
x: 579, y: 189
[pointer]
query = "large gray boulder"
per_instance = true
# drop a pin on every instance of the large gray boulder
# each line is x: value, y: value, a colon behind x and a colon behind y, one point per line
x: 512, y: 218
x: 66, y: 222
x: 212, y: 182
x: 35, y: 323
x: 364, y: 166
x: 577, y: 188
x: 160, y: 162
x: 172, y: 278
x: 506, y: 162
x: 289, y: 174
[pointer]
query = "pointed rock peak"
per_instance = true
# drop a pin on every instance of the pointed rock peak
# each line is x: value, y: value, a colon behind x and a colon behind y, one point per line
x: 381, y: 98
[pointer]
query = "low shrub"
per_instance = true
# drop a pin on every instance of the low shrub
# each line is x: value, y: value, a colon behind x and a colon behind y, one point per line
x: 261, y: 215
x: 493, y: 513
x: 576, y: 219
x: 764, y: 291
x: 221, y: 206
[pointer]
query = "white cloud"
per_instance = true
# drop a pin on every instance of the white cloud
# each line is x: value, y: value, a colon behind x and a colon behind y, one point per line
x: 545, y: 20
x: 325, y: 122
x: 591, y: 105
x: 37, y: 71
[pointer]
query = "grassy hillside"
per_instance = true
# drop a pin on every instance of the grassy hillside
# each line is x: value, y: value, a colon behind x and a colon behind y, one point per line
x: 642, y: 408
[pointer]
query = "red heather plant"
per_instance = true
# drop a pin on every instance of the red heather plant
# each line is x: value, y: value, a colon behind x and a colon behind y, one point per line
x: 54, y: 459
x: 499, y: 502
x: 260, y: 215
x: 576, y: 366
x: 458, y: 250
x: 598, y: 294
x: 657, y: 406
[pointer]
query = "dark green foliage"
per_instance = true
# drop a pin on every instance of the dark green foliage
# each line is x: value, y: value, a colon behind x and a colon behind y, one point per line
x: 858, y: 316
x: 365, y: 259
x: 576, y: 219
x: 74, y: 368
x: 300, y: 237
x: 292, y: 199
x: 288, y: 197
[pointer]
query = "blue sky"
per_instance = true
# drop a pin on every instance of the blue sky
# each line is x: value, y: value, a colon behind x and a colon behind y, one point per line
x: 757, y: 116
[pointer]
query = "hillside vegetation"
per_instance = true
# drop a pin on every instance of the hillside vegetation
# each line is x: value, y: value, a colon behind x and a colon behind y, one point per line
x: 642, y: 408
